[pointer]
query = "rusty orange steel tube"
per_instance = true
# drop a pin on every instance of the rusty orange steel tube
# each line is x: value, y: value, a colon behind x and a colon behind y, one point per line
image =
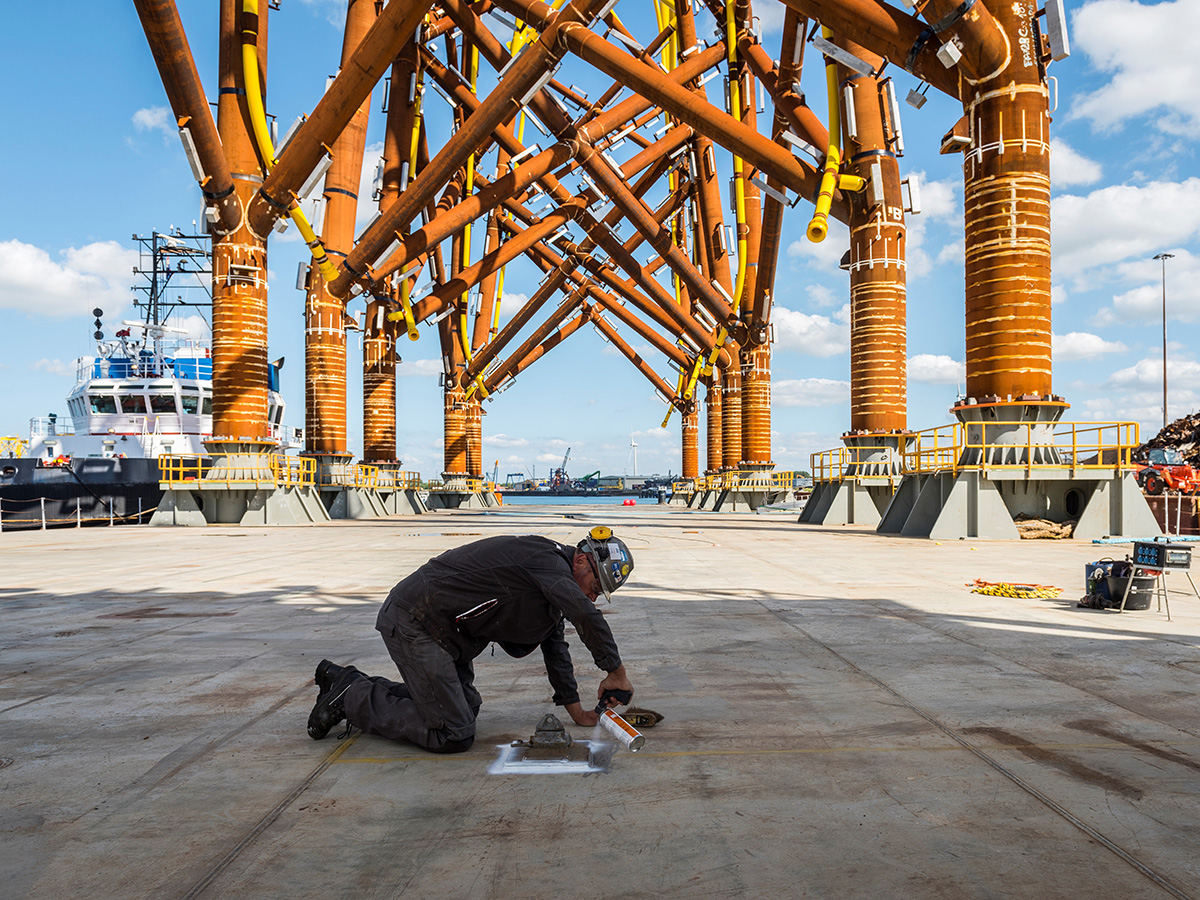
x: 714, y: 457
x: 324, y: 314
x: 691, y: 442
x: 525, y: 76
x: 632, y: 355
x: 239, y: 263
x: 454, y: 430
x: 185, y: 92
x: 731, y: 409
x: 379, y: 385
x: 878, y: 333
x: 512, y: 366
x: 887, y: 32
x: 1007, y: 206
x: 756, y: 405
x: 494, y: 347
x: 372, y: 58
x: 660, y: 343
x: 735, y: 136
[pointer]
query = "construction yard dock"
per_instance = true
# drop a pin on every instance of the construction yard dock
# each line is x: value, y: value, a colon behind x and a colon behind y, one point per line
x: 843, y: 719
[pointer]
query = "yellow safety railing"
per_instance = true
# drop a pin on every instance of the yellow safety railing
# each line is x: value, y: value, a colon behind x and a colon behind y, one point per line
x: 857, y: 463
x: 1077, y: 446
x: 395, y: 480
x: 246, y: 470
x: 294, y: 471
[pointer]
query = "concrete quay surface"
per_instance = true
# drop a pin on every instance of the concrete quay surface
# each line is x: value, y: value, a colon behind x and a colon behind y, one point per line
x: 843, y: 719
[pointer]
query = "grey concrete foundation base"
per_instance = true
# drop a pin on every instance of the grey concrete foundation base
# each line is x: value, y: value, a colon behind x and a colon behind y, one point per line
x: 1117, y: 507
x: 178, y: 508
x: 281, y: 506
x: 403, y: 503
x: 948, y: 506
x: 461, y: 500
x: 354, y: 503
x: 736, y: 500
x: 845, y: 503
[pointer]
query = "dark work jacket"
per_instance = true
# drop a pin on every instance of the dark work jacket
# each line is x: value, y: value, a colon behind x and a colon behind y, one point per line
x: 516, y: 591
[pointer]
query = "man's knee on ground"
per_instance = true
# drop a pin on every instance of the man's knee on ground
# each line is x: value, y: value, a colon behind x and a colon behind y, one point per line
x: 455, y: 746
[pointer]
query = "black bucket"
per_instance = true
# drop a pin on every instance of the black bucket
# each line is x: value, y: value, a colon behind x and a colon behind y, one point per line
x: 1139, y: 594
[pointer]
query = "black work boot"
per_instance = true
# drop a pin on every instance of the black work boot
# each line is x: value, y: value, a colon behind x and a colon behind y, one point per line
x: 330, y: 707
x: 326, y: 674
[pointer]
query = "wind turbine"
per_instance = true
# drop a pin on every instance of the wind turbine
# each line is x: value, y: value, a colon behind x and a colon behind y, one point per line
x: 633, y: 453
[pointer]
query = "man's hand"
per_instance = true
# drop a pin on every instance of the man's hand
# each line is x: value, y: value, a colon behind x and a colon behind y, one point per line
x: 581, y: 716
x: 616, y: 680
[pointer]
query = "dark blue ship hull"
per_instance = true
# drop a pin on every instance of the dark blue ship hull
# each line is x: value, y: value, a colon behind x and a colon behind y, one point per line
x: 93, y: 491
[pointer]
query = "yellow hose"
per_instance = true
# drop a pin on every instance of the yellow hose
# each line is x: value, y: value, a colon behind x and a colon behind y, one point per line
x: 818, y: 226
x: 262, y: 136
x: 739, y: 184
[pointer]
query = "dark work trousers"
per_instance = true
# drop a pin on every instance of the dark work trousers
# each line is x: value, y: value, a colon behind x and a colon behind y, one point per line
x: 435, y: 706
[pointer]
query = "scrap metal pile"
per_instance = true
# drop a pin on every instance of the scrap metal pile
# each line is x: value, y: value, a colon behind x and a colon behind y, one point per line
x: 617, y: 199
x: 1183, y: 435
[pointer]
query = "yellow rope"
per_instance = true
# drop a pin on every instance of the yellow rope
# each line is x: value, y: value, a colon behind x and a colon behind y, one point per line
x: 1020, y: 591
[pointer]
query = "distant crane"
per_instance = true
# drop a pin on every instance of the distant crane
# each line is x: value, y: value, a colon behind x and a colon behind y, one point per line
x: 558, y: 477
x: 496, y: 472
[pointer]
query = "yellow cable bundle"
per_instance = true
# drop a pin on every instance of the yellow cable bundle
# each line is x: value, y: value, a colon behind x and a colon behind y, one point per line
x: 262, y: 136
x: 818, y: 226
x: 1018, y: 591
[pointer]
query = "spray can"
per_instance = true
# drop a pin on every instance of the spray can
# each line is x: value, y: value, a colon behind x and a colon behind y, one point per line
x: 628, y: 736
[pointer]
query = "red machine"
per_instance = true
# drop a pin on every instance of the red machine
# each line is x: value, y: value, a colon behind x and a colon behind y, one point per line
x: 1166, y: 469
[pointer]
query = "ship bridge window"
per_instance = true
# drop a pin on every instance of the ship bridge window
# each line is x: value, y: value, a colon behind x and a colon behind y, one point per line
x: 277, y: 417
x: 133, y: 403
x: 103, y: 403
x: 163, y: 403
x: 206, y: 408
x: 191, y: 403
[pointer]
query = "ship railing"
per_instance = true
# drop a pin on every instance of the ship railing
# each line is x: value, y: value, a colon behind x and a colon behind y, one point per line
x: 1027, y: 448
x: 288, y: 435
x: 50, y: 426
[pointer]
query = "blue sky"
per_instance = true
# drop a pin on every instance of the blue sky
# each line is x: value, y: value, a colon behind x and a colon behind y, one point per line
x: 90, y: 157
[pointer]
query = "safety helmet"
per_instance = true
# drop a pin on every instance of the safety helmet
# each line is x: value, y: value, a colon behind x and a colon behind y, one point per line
x: 610, y: 557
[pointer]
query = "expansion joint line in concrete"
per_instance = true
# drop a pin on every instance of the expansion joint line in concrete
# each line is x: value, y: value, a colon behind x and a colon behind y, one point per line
x: 268, y: 820
x: 995, y: 764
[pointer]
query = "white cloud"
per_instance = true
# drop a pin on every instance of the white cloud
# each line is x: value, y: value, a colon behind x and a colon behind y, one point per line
x: 510, y: 304
x: 1143, y: 303
x: 810, y: 392
x: 1152, y: 53
x: 94, y: 275
x: 1068, y: 166
x: 1181, y: 373
x: 770, y: 15
x: 954, y: 252
x: 820, y: 295
x: 368, y: 206
x: 1058, y: 294
x: 52, y: 367
x: 1120, y: 222
x: 155, y: 118
x: 829, y: 252
x: 420, y: 368
x: 815, y: 335
x: 940, y: 199
x: 930, y: 368
x: 1076, y: 345
x: 503, y: 440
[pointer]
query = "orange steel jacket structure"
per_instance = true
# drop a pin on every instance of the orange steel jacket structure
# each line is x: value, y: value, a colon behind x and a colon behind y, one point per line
x: 681, y: 279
